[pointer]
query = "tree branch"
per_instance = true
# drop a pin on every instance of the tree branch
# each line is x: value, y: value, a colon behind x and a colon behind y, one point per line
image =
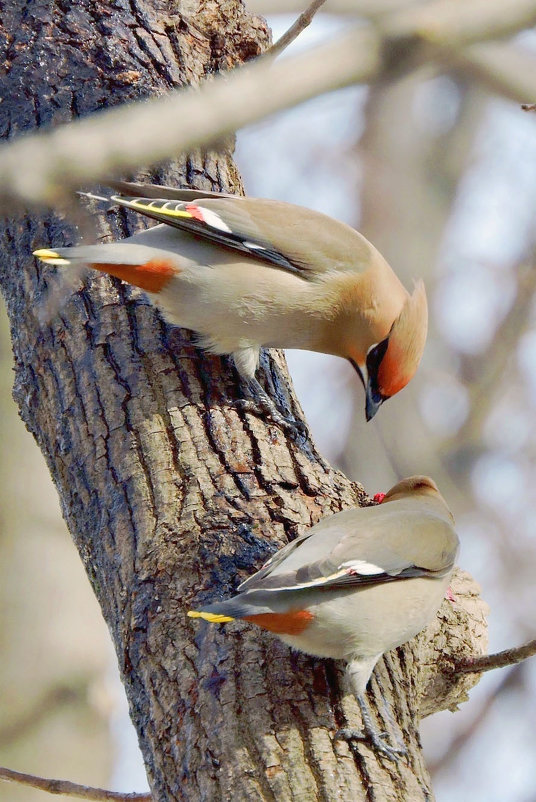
x: 505, y: 69
x: 303, y: 21
x: 67, y: 788
x: 354, y: 8
x: 508, y: 657
x: 40, y: 168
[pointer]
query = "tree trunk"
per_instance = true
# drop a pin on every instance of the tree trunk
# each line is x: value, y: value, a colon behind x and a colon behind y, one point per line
x: 171, y: 493
x: 55, y: 666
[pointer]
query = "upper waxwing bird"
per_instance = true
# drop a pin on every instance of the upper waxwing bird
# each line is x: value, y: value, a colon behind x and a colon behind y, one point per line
x: 246, y: 273
x: 356, y: 585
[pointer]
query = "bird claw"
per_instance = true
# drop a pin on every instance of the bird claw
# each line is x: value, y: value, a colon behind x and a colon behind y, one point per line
x: 294, y: 427
x: 375, y: 739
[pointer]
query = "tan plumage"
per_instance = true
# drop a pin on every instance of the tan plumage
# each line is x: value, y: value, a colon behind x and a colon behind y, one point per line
x: 249, y: 273
x: 357, y: 584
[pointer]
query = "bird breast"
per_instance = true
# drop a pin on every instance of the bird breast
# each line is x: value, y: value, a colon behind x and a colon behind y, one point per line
x: 370, y: 621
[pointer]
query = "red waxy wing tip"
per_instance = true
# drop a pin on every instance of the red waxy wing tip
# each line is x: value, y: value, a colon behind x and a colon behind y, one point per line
x: 195, y: 211
x: 378, y: 498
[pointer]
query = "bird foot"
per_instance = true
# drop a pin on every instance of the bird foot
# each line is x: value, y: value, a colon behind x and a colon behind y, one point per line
x: 295, y: 428
x: 375, y: 739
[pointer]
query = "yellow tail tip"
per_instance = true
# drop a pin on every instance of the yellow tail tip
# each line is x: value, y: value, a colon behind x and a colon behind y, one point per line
x: 50, y: 257
x: 211, y: 617
x: 146, y: 205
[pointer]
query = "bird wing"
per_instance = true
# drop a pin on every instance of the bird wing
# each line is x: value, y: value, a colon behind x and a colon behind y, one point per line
x: 135, y: 190
x: 197, y: 219
x: 353, y: 549
x: 292, y: 238
x: 253, y: 582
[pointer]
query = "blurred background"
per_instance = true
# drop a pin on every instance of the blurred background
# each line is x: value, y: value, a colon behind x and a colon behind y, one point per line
x: 441, y: 176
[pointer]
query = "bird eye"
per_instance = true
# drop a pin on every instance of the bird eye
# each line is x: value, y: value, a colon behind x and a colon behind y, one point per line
x: 421, y: 485
x: 375, y: 356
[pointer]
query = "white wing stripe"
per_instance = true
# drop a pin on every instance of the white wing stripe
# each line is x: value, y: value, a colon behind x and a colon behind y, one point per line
x: 213, y: 220
x: 362, y: 567
x: 322, y: 580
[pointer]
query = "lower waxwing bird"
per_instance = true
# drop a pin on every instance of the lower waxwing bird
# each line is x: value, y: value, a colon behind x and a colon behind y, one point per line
x: 356, y: 585
x: 244, y: 273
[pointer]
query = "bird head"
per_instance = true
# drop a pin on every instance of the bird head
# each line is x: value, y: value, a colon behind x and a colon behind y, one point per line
x: 422, y: 487
x: 391, y: 363
x: 409, y: 486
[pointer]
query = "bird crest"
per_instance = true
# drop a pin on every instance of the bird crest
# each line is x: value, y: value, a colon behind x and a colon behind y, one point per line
x: 405, y: 344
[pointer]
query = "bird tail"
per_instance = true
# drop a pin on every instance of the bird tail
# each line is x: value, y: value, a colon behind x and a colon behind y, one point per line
x: 50, y: 257
x: 212, y: 618
x: 240, y: 606
x: 219, y: 612
x: 142, y: 265
x: 109, y: 253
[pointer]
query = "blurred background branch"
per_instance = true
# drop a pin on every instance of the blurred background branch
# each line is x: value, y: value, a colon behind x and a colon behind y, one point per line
x: 512, y: 679
x: 41, y: 168
x: 51, y: 702
x: 437, y: 167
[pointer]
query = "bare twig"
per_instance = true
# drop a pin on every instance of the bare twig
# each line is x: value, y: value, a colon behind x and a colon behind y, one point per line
x: 508, y: 657
x: 305, y: 19
x: 39, y: 168
x: 65, y: 787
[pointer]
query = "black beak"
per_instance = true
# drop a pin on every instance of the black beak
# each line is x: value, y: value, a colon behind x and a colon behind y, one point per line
x: 374, y: 399
x: 373, y: 402
x: 374, y: 396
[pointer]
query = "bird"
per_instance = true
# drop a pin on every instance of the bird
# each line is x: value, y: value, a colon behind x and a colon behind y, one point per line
x: 246, y: 273
x: 354, y: 586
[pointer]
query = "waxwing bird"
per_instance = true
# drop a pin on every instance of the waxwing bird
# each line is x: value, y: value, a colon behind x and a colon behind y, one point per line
x: 247, y: 273
x: 356, y: 585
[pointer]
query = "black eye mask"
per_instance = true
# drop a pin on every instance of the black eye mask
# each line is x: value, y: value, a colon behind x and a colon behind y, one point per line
x: 374, y: 358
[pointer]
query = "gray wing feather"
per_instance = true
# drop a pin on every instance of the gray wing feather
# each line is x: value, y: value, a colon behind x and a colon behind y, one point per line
x: 236, y: 240
x: 370, y: 546
x: 133, y: 190
x: 255, y: 581
x: 302, y: 241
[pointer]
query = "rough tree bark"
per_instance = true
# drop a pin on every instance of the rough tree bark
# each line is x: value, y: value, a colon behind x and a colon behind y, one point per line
x: 170, y: 492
